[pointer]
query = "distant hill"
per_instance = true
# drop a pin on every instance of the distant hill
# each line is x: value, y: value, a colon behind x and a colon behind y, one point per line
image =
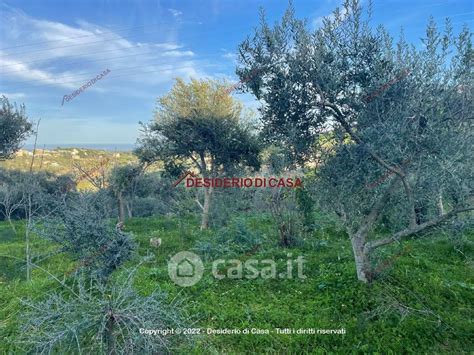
x: 63, y: 161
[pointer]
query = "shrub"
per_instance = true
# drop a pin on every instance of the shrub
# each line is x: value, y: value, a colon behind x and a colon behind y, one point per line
x: 46, y: 191
x: 236, y: 238
x: 98, y: 318
x: 83, y: 231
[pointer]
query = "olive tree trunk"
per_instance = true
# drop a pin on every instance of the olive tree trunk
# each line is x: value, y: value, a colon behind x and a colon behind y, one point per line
x: 208, y: 194
x: 361, y: 258
x: 121, y: 206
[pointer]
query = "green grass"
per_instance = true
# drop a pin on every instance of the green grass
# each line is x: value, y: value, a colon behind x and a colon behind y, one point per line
x: 421, y: 304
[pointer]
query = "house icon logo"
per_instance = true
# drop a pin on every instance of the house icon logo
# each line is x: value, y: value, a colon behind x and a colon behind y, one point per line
x: 185, y: 268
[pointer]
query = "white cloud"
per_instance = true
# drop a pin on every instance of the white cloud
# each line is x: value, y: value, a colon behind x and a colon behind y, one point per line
x: 14, y: 95
x: 178, y: 54
x: 67, y: 56
x: 176, y: 13
x: 64, y: 57
x: 229, y: 55
x: 19, y: 70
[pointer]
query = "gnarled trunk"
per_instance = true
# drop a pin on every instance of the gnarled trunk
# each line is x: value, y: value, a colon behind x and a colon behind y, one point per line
x: 361, y: 257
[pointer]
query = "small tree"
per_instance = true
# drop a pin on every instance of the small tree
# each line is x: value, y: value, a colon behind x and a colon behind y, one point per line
x: 32, y: 205
x: 286, y: 205
x: 11, y: 200
x: 197, y: 125
x: 14, y: 128
x: 399, y: 118
x: 122, y: 182
x: 82, y: 230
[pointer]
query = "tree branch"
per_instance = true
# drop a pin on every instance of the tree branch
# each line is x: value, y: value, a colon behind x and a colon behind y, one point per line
x: 416, y: 229
x: 88, y: 175
x: 340, y: 118
x: 196, y: 162
x: 199, y: 204
x: 203, y: 164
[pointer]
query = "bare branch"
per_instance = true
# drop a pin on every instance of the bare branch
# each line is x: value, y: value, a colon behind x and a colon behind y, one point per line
x: 196, y: 162
x: 416, y: 229
x: 34, y: 147
x: 199, y: 204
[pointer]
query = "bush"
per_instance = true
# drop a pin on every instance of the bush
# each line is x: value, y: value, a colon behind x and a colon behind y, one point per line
x: 83, y: 231
x: 236, y: 238
x: 97, y: 318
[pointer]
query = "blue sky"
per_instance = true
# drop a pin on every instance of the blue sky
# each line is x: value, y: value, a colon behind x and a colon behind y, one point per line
x: 50, y: 48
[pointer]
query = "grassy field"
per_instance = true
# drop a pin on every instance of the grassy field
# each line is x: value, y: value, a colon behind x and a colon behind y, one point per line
x: 421, y: 304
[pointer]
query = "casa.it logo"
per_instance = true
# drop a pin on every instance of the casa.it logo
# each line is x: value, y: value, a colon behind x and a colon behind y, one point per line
x: 186, y: 269
x: 192, y: 180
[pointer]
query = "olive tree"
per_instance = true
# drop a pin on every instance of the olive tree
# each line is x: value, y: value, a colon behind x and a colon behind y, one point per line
x: 197, y: 125
x: 396, y: 121
x: 14, y: 127
x: 122, y: 182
